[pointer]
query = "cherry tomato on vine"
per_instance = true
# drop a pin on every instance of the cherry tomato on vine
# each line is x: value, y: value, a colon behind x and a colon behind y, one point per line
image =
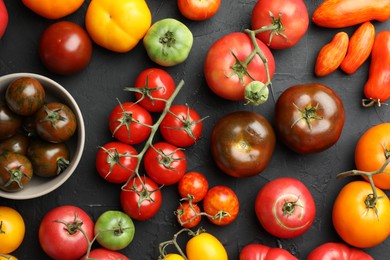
x: 165, y: 163
x: 152, y: 88
x: 130, y: 123
x: 141, y: 201
x: 116, y: 161
x: 188, y: 214
x: 182, y: 126
x: 194, y: 185
x: 285, y: 207
x: 12, y: 229
x: 198, y: 10
x: 221, y: 204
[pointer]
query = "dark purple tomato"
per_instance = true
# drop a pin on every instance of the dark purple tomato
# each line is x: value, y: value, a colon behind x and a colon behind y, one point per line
x: 9, y: 121
x: 55, y: 122
x: 48, y: 159
x: 17, y: 143
x: 15, y: 171
x: 25, y: 96
x: 65, y: 48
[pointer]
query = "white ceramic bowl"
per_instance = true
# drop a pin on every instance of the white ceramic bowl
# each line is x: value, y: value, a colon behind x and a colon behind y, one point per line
x: 39, y: 186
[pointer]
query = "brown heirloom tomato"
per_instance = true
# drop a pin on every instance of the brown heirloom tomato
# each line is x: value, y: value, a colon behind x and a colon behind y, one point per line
x: 18, y: 143
x: 15, y: 171
x: 10, y: 122
x: 309, y: 118
x: 242, y: 143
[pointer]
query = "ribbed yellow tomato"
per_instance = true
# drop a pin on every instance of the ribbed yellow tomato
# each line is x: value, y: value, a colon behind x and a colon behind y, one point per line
x: 53, y: 9
x: 118, y: 25
x: 206, y: 247
x: 12, y: 229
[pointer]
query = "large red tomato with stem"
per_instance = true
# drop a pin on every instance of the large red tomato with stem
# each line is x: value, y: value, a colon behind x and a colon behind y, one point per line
x: 141, y: 198
x: 280, y: 23
x: 309, y: 118
x: 130, y: 123
x: 339, y: 251
x: 231, y: 64
x: 64, y: 228
x: 285, y: 207
x: 153, y: 87
x: 263, y: 252
x: 372, y: 151
x: 198, y: 10
x: 65, y: 48
x: 221, y: 205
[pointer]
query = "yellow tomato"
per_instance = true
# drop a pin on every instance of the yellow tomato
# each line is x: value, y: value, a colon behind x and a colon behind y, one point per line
x: 173, y: 257
x: 12, y: 230
x: 118, y: 25
x: 53, y: 9
x: 206, y: 247
x: 7, y: 257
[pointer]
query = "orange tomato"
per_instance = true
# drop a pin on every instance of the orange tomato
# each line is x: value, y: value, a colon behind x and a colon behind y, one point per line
x: 7, y: 257
x: 53, y: 9
x: 12, y: 229
x: 371, y: 152
x: 356, y: 223
x: 206, y: 247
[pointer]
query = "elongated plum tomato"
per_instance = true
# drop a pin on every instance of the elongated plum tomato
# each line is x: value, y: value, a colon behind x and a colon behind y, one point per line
x: 205, y: 246
x: 242, y: 143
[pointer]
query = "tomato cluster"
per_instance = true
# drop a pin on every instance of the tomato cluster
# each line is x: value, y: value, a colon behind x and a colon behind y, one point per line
x: 33, y: 136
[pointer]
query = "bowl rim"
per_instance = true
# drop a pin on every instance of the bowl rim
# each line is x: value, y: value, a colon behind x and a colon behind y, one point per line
x: 80, y: 143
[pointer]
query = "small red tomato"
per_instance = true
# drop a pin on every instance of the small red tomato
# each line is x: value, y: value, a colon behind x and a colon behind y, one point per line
x: 222, y: 205
x: 65, y: 48
x: 198, y: 10
x: 188, y: 215
x: 194, y: 185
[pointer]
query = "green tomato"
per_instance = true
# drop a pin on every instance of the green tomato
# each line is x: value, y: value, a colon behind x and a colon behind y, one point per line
x: 114, y: 230
x: 168, y: 42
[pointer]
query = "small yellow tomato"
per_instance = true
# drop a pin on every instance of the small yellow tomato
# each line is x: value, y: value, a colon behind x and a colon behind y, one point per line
x: 118, y: 25
x: 206, y: 247
x: 7, y: 257
x: 12, y: 230
x: 173, y: 257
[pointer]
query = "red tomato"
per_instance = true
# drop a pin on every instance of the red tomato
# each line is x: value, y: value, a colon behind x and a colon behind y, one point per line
x: 130, y: 123
x: 285, y: 207
x: 65, y: 48
x: 141, y: 201
x: 193, y: 184
x: 60, y: 230
x: 198, y: 10
x: 339, y: 251
x: 182, y: 126
x: 116, y: 161
x: 188, y: 214
x: 105, y: 254
x: 222, y: 205
x: 3, y: 18
x: 227, y: 70
x: 152, y: 88
x: 263, y: 252
x: 165, y: 163
x: 282, y: 22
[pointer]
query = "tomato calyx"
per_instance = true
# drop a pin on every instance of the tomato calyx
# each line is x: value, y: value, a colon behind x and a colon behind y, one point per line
x: 370, y: 102
x: 113, y: 158
x: 167, y: 40
x: 276, y: 27
x: 167, y: 159
x: 62, y: 164
x: 72, y: 227
x: 146, y: 91
x: 52, y: 116
x: 15, y: 175
x: 289, y: 207
x: 308, y: 114
x: 256, y: 93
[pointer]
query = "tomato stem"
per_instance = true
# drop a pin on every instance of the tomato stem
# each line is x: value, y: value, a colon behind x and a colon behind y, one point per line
x: 276, y: 27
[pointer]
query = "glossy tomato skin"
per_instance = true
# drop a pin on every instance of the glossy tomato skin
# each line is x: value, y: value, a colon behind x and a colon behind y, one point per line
x: 205, y: 246
x: 188, y: 214
x: 360, y: 226
x: 339, y: 251
x: 219, y: 60
x: 309, y: 118
x: 198, y: 10
x: 285, y: 207
x: 263, y: 252
x: 25, y: 96
x: 154, y: 85
x: 53, y: 9
x: 48, y: 159
x: 12, y: 230
x: 165, y: 163
x: 294, y: 19
x: 222, y: 205
x: 16, y: 171
x: 140, y: 203
x: 105, y: 254
x: 56, y: 239
x: 18, y: 143
x: 55, y: 122
x: 130, y: 123
x: 182, y: 126
x: 242, y: 143
x: 116, y: 161
x: 194, y: 185
x: 65, y: 48
x: 10, y: 122
x: 371, y: 152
